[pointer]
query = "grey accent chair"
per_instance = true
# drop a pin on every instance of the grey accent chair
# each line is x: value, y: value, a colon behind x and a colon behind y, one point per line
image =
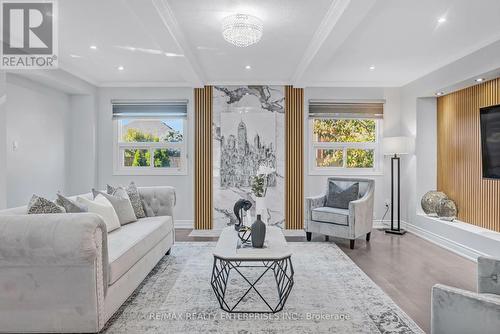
x: 352, y: 223
x: 460, y: 311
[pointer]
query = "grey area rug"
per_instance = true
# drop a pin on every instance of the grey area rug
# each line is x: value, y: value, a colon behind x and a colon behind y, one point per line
x: 331, y: 295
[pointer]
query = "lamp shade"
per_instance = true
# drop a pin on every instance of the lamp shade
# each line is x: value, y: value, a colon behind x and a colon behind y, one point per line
x: 397, y: 145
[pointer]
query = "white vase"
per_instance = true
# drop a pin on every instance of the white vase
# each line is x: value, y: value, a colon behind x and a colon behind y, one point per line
x: 261, y: 208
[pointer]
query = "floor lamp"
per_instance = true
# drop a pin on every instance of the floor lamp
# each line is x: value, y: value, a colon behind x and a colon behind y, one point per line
x: 394, y: 147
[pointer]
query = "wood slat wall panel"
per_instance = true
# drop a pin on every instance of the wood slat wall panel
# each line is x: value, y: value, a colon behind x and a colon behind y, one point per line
x: 203, y: 158
x: 459, y: 155
x: 294, y: 158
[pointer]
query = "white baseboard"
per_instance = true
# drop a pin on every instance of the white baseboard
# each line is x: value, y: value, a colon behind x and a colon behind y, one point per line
x: 184, y: 223
x: 441, y: 241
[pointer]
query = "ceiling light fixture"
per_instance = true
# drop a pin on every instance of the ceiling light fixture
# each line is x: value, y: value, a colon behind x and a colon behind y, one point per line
x: 93, y: 47
x: 75, y: 56
x: 121, y: 68
x: 242, y: 30
x: 439, y: 93
x: 479, y: 79
x: 372, y: 67
x: 442, y: 19
x: 248, y: 67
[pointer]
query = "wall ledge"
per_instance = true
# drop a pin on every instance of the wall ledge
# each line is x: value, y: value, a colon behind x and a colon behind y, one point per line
x: 464, y: 239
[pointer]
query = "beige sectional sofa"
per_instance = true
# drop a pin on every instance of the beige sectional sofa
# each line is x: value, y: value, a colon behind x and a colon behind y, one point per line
x: 65, y: 273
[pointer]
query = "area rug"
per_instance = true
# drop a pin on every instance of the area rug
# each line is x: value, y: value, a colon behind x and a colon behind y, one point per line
x: 330, y: 295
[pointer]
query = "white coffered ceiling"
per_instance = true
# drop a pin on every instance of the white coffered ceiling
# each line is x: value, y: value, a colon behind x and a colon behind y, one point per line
x: 306, y: 43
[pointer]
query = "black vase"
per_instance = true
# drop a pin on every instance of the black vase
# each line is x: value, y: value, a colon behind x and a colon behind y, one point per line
x: 258, y: 233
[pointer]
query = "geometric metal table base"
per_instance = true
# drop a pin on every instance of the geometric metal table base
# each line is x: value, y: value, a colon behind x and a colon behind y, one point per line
x: 283, y: 274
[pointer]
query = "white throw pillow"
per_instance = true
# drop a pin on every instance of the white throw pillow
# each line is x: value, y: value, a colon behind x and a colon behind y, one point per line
x: 103, y: 207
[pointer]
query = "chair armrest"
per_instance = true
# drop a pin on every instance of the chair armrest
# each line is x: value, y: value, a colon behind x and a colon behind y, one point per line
x: 460, y: 311
x: 313, y: 202
x: 488, y: 275
x: 158, y: 201
x: 361, y: 213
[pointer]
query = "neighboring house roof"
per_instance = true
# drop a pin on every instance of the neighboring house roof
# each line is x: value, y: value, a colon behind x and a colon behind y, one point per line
x: 149, y: 126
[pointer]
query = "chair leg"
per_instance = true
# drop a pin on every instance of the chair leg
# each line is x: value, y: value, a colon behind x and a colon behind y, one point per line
x: 368, y: 235
x: 308, y: 236
x: 327, y: 238
x: 351, y: 244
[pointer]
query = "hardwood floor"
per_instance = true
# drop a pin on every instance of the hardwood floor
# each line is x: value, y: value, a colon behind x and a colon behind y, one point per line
x: 405, y: 267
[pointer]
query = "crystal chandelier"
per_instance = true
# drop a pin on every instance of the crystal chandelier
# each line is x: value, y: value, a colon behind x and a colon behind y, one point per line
x: 241, y: 29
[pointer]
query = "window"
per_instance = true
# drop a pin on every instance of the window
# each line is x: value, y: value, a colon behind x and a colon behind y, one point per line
x: 344, y: 143
x: 149, y: 141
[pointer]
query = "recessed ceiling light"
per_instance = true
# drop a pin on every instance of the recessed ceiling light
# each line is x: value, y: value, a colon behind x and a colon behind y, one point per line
x: 171, y: 54
x: 248, y: 67
x: 439, y: 93
x: 372, y: 67
x: 479, y: 79
x: 75, y: 56
x: 93, y: 47
x: 121, y: 68
x: 442, y: 19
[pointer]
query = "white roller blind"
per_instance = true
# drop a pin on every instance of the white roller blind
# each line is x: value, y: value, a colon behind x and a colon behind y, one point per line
x: 346, y: 108
x: 149, y: 108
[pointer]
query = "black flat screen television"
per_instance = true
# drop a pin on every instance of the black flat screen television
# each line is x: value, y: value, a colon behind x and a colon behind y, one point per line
x: 490, y: 141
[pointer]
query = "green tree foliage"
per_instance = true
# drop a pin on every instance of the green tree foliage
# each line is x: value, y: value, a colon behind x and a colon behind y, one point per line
x: 142, y: 157
x: 136, y: 136
x: 345, y: 131
x: 162, y: 158
x: 359, y: 158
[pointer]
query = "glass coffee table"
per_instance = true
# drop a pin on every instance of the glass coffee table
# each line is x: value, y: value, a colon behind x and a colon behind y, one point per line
x: 230, y: 259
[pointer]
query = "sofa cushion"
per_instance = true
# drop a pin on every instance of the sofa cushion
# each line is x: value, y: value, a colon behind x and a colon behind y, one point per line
x: 131, y: 242
x: 339, y: 196
x: 70, y: 205
x: 135, y: 198
x: 40, y: 205
x: 331, y: 215
x: 121, y: 204
x: 104, y: 209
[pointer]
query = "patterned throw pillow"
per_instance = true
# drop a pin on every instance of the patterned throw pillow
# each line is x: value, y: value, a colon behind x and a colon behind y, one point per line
x: 39, y: 205
x: 69, y: 205
x: 339, y: 198
x: 134, y: 197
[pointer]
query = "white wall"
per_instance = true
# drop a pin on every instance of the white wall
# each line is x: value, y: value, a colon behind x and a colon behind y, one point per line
x: 37, y: 120
x: 81, y: 164
x: 3, y: 143
x: 184, y: 210
x: 316, y: 184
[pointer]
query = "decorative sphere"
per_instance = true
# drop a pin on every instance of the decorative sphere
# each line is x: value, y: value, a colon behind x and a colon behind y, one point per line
x: 430, y: 201
x: 447, y: 209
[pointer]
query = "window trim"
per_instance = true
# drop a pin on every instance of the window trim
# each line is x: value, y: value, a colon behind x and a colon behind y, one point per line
x: 118, y: 147
x: 376, y: 146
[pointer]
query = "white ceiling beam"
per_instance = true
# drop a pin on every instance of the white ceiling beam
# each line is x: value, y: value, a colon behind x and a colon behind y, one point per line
x: 342, y: 17
x: 170, y: 22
